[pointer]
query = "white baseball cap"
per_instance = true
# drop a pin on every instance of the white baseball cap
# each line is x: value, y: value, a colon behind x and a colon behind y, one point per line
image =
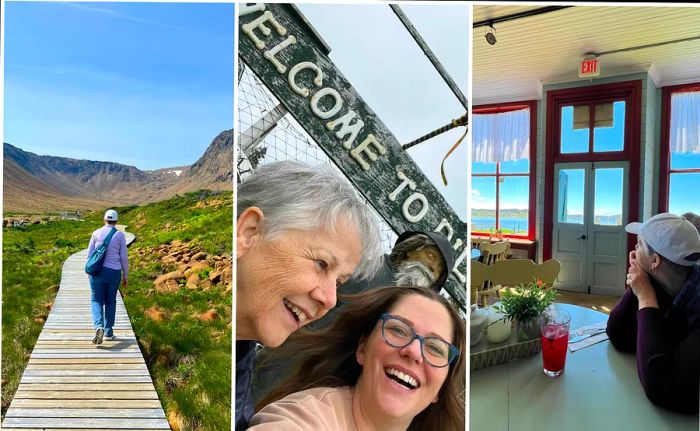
x: 671, y: 236
x: 111, y: 215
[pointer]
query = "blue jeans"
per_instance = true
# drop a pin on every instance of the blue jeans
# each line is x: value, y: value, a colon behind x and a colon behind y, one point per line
x: 104, y: 287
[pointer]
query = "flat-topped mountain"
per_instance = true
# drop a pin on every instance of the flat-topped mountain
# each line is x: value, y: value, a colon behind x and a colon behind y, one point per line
x: 34, y: 183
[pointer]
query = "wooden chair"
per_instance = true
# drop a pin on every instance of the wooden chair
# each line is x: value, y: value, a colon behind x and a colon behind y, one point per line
x: 510, y: 272
x: 477, y: 242
x: 492, y: 253
x: 481, y: 287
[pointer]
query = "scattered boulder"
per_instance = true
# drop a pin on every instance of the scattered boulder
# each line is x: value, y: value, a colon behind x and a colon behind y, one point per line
x: 208, y: 316
x: 154, y: 313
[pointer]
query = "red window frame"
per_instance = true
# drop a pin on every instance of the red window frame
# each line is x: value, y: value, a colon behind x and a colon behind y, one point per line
x: 665, y: 170
x: 508, y: 107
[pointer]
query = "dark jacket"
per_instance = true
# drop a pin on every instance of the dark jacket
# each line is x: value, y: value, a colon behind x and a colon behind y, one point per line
x: 245, y: 360
x: 666, y: 341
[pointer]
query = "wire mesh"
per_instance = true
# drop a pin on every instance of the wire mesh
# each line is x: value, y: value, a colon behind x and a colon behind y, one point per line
x: 286, y: 140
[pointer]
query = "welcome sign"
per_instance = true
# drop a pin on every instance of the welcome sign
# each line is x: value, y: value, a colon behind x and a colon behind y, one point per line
x: 280, y: 47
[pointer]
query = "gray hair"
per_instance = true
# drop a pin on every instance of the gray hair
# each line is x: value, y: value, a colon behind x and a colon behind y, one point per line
x: 400, y: 250
x: 292, y: 195
x: 694, y: 219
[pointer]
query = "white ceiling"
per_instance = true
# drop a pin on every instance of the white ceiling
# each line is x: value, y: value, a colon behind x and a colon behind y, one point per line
x: 545, y: 49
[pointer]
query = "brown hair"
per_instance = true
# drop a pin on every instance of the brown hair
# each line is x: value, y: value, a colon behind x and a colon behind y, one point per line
x: 328, y: 356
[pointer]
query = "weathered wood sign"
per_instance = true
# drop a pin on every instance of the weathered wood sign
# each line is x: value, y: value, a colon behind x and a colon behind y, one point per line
x: 279, y: 46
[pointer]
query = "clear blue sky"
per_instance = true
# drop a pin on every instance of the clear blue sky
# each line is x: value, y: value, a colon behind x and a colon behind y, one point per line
x: 144, y: 84
x: 393, y: 76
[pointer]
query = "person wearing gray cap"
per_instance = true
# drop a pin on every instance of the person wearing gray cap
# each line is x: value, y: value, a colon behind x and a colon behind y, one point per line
x: 658, y: 317
x: 105, y: 284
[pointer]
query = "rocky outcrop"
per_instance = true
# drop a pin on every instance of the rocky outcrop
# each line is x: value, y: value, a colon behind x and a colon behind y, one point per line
x: 192, y: 268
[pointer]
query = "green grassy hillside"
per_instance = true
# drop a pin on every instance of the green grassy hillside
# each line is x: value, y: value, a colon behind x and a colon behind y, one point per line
x: 184, y: 330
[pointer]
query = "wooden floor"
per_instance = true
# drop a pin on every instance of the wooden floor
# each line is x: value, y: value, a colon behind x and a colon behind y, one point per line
x: 70, y: 383
x: 601, y: 303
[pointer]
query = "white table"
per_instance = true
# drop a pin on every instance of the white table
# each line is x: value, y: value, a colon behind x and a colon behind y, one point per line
x: 599, y: 390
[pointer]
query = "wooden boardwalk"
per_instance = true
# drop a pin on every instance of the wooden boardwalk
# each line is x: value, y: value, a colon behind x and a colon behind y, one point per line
x: 72, y: 384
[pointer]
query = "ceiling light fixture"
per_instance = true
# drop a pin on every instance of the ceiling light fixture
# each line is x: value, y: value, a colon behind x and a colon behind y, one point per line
x: 490, y: 35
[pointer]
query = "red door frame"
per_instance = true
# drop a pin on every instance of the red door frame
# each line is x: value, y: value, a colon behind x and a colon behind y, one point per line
x: 497, y: 108
x: 664, y: 157
x: 631, y: 92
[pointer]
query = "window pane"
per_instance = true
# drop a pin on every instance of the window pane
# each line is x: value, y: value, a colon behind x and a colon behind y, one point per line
x: 514, y: 194
x: 683, y: 193
x: 609, y: 131
x: 483, y: 167
x: 685, y: 161
x: 483, y: 204
x: 571, y: 197
x: 607, y: 208
x: 521, y: 166
x: 575, y: 123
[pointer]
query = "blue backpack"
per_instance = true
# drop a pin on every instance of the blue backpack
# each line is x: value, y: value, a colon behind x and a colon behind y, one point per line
x: 94, y: 262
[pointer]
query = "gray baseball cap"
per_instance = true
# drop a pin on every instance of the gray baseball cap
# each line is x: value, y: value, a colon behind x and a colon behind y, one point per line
x: 671, y: 236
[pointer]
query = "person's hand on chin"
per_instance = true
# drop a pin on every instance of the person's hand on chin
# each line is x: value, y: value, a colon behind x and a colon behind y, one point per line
x: 638, y: 281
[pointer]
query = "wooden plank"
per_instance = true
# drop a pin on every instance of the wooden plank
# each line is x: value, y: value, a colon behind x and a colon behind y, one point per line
x: 139, y: 413
x: 76, y: 429
x: 81, y: 366
x: 103, y: 360
x: 84, y: 372
x: 97, y: 387
x: 105, y: 423
x: 82, y: 395
x: 80, y: 379
x: 87, y: 403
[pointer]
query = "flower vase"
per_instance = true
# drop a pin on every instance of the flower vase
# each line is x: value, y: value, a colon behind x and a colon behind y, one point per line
x: 528, y: 329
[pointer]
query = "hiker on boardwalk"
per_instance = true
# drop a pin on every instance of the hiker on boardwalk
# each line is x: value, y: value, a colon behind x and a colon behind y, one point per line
x: 301, y: 231
x: 104, y: 285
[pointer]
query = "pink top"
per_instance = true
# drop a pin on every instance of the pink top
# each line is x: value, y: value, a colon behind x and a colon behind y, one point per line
x: 313, y: 409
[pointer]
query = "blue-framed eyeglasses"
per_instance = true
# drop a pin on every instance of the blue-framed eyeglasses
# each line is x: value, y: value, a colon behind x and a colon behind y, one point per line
x: 398, y: 333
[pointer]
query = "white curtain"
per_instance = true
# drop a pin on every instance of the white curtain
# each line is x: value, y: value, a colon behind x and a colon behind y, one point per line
x: 501, y: 137
x: 685, y: 122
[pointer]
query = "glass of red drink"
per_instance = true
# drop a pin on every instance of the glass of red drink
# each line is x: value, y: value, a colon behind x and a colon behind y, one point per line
x: 555, y: 339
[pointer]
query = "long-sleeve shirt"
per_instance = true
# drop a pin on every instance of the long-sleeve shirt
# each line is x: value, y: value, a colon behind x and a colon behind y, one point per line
x: 313, y: 409
x: 666, y: 346
x: 116, y: 257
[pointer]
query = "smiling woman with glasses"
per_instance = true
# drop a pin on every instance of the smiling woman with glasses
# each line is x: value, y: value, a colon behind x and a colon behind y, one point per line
x: 391, y: 361
x: 399, y: 333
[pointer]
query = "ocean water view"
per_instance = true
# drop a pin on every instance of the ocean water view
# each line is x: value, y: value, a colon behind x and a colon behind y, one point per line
x: 508, y: 224
x: 519, y: 224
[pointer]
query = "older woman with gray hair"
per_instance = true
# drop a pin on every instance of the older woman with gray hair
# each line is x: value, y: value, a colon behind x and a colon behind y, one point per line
x: 658, y: 317
x: 301, y: 231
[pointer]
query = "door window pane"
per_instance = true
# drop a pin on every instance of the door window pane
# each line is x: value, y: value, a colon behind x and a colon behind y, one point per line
x: 513, y: 209
x: 571, y: 196
x: 607, y: 205
x: 575, y: 123
x: 483, y: 203
x: 609, y: 127
x: 683, y: 193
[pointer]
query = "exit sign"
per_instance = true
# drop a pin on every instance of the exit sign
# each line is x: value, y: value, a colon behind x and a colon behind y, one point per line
x: 589, y: 68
